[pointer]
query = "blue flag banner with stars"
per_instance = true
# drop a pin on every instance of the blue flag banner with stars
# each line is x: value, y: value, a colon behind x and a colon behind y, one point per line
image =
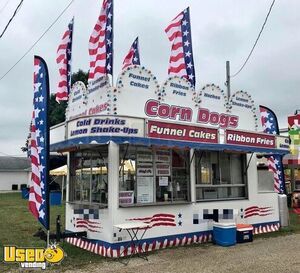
x: 39, y: 145
x: 270, y: 126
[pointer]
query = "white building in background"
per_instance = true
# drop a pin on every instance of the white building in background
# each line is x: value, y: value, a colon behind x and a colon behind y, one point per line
x: 14, y: 172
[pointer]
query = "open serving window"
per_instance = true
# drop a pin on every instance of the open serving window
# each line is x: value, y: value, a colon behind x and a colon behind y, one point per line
x: 151, y: 175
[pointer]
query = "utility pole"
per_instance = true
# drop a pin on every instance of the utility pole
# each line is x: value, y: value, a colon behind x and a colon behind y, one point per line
x: 228, y: 78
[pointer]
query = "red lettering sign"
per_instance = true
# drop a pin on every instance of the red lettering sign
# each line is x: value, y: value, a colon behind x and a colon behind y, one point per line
x: 181, y: 132
x: 154, y: 108
x: 250, y: 139
x: 214, y: 118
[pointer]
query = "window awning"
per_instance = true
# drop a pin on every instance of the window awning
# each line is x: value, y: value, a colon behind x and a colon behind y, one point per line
x: 70, y: 144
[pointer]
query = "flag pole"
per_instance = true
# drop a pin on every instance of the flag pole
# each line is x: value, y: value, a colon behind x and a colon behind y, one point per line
x: 112, y: 49
x: 47, y: 182
x: 71, y: 63
x: 228, y: 79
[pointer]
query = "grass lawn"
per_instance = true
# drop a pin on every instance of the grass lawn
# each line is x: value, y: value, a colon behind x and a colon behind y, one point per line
x: 17, y: 226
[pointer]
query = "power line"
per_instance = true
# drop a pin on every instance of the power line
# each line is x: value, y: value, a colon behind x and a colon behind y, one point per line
x: 13, y: 16
x: 4, y: 6
x: 37, y: 40
x: 262, y: 28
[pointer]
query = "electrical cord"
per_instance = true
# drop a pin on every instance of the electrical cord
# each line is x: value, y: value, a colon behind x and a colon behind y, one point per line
x: 262, y: 28
x: 34, y: 44
x: 13, y: 16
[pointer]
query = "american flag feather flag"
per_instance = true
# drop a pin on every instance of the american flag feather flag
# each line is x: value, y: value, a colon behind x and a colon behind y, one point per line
x: 39, y: 145
x: 63, y: 59
x: 133, y: 56
x: 179, y: 33
x: 101, y: 43
x: 270, y: 126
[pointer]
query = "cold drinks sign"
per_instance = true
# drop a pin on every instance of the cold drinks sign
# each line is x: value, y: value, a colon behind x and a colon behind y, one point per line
x: 105, y: 126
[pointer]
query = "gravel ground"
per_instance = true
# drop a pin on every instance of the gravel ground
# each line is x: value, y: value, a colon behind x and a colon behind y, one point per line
x: 276, y: 255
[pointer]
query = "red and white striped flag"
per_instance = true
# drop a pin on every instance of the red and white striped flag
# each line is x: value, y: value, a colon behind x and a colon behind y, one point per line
x: 39, y: 145
x: 133, y: 56
x: 181, y: 61
x: 101, y: 43
x: 63, y: 59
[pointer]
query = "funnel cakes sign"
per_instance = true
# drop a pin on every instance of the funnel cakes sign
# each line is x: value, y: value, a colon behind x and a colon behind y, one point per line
x: 172, y: 131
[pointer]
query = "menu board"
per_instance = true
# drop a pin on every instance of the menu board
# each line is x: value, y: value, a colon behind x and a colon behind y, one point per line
x: 162, y: 156
x: 163, y: 169
x: 162, y: 163
x: 126, y: 197
x: 144, y: 157
x: 144, y: 169
x: 144, y: 189
x: 163, y: 181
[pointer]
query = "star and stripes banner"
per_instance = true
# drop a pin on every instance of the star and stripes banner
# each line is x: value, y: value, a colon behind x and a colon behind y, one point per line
x: 86, y: 224
x: 133, y: 56
x: 270, y: 125
x: 181, y: 61
x: 39, y: 145
x: 63, y: 59
x: 257, y: 211
x: 161, y: 219
x: 101, y: 43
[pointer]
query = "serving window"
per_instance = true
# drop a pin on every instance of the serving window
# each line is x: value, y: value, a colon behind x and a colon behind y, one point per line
x: 220, y: 175
x: 88, y: 176
x: 149, y: 175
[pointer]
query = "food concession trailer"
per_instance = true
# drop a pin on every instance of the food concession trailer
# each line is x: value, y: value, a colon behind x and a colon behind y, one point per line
x: 167, y: 155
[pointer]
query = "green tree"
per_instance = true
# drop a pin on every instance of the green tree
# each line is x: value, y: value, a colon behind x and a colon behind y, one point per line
x: 57, y: 110
x: 80, y: 75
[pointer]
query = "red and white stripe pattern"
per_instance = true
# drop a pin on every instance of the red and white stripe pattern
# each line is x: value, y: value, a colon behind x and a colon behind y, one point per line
x: 265, y: 228
x: 181, y: 61
x: 160, y: 219
x: 63, y: 59
x: 100, y: 43
x: 38, y: 190
x: 162, y: 243
x: 145, y: 247
x: 35, y: 193
x: 272, y: 168
x: 133, y: 56
x: 257, y: 211
x: 270, y: 125
x: 92, y: 226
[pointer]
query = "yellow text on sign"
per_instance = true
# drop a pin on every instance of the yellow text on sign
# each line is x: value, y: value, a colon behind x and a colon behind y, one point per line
x: 14, y: 254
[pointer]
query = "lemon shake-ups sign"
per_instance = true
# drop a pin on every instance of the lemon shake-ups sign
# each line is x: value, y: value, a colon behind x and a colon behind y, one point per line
x: 33, y: 257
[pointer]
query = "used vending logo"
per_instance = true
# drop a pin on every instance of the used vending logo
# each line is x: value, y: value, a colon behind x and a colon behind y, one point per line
x: 33, y: 257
